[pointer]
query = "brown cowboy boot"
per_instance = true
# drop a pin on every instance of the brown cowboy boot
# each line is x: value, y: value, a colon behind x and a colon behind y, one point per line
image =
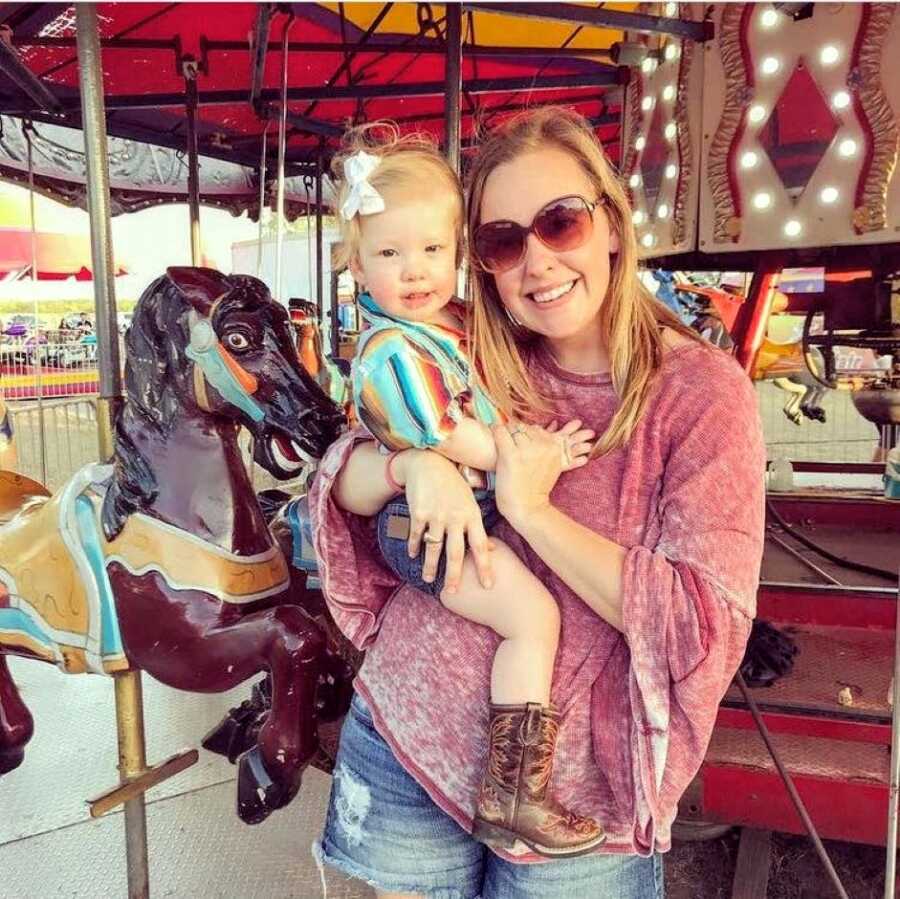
x: 514, y: 803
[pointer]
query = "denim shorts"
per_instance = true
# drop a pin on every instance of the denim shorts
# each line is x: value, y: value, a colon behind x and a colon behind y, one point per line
x: 384, y: 829
x: 393, y: 533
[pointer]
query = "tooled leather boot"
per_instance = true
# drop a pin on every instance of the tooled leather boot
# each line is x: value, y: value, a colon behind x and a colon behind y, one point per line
x: 514, y: 803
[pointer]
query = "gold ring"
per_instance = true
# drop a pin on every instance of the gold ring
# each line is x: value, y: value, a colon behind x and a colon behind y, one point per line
x: 430, y: 538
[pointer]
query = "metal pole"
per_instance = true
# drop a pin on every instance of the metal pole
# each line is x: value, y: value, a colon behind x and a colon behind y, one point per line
x: 320, y: 274
x: 791, y: 788
x: 453, y: 78
x: 282, y: 143
x: 129, y: 704
x: 189, y: 67
x: 38, y: 366
x: 890, y: 871
x: 262, y: 201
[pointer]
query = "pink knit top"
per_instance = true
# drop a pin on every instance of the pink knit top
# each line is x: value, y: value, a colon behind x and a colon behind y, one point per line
x: 685, y: 497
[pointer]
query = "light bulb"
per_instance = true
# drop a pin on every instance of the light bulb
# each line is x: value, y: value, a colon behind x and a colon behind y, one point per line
x: 640, y: 143
x: 829, y: 55
x: 634, y: 180
x: 663, y: 211
x: 847, y: 147
x: 757, y: 113
x: 841, y: 100
x: 646, y: 103
x: 668, y: 92
x: 769, y: 19
x: 670, y: 131
x: 828, y: 194
x: 749, y: 159
x: 762, y: 200
x: 770, y: 65
x: 671, y: 170
x: 648, y: 65
x: 647, y: 240
x: 671, y: 50
x: 637, y: 217
x: 792, y: 228
x: 671, y: 10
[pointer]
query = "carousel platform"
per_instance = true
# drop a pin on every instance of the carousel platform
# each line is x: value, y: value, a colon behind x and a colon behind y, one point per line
x: 198, y: 848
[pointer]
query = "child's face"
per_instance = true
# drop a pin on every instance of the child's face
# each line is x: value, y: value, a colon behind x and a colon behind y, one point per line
x: 407, y: 256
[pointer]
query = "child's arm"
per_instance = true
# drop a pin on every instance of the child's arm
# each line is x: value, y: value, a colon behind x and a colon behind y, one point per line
x: 470, y: 443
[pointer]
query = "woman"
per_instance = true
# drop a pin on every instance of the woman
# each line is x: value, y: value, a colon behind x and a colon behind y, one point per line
x: 652, y: 551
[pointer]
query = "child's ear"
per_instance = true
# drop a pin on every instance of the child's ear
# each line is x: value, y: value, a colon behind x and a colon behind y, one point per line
x: 356, y: 270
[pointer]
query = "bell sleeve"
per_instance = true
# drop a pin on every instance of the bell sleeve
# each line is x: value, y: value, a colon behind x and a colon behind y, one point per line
x: 355, y: 583
x: 688, y: 603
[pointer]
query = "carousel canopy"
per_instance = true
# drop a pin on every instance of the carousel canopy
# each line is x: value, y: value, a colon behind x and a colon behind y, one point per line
x: 346, y: 63
x: 58, y: 256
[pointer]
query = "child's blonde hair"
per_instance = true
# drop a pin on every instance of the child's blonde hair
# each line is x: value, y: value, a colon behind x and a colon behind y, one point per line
x: 631, y: 318
x: 409, y: 162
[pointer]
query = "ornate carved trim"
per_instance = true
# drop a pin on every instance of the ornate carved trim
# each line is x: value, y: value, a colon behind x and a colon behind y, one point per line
x: 683, y: 124
x: 726, y: 200
x: 875, y: 116
x: 635, y: 93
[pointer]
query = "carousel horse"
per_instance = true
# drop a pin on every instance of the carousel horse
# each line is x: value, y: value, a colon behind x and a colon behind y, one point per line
x: 7, y: 447
x: 785, y: 366
x: 163, y: 561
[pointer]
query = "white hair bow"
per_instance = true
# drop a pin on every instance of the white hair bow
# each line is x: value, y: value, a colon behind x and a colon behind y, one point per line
x: 362, y: 198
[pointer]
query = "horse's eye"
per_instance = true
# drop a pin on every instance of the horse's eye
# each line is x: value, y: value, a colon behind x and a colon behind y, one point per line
x: 236, y: 341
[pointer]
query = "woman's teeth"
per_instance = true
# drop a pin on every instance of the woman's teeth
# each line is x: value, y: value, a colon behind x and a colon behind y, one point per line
x: 545, y: 296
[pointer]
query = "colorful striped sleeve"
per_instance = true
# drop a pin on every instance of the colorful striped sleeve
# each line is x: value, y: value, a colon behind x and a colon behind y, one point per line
x: 403, y: 396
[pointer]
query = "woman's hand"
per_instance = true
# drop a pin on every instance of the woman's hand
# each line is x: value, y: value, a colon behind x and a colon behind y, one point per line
x: 530, y: 460
x: 443, y: 513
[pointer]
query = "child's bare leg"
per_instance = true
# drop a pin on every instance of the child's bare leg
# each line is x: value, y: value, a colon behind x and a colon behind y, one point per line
x: 522, y: 611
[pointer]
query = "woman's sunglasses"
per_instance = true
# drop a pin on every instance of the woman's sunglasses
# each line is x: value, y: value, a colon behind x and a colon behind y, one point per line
x: 563, y: 224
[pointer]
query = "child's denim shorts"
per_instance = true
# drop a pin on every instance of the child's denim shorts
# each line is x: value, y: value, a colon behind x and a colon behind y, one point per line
x: 384, y: 829
x: 393, y: 534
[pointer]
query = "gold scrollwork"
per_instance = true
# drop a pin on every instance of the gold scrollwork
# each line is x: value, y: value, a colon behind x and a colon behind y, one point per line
x: 683, y: 124
x: 726, y: 223
x: 871, y: 213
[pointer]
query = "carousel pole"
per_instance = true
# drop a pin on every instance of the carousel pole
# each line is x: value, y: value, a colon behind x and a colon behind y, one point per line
x: 282, y: 149
x: 453, y: 80
x: 129, y: 706
x: 335, y: 323
x: 189, y: 67
x: 890, y: 871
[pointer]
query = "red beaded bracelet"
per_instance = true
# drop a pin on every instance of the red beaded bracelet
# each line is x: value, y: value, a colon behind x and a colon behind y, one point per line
x: 389, y: 475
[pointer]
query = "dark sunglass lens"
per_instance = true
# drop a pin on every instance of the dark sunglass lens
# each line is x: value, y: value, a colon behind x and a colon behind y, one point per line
x: 499, y: 245
x: 564, y: 225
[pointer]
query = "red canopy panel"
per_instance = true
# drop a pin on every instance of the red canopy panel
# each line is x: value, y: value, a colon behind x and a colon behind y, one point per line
x: 374, y: 73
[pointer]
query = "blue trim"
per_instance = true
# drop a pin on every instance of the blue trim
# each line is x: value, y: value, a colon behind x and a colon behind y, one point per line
x: 222, y: 378
x: 110, y: 637
x: 17, y: 620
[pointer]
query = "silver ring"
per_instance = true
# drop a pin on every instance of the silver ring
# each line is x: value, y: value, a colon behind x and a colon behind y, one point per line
x: 516, y: 432
x: 430, y: 538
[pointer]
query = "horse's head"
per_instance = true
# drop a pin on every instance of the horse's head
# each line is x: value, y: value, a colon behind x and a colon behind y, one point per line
x: 220, y: 344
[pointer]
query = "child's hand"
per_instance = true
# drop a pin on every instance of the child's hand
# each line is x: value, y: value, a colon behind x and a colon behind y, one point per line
x: 576, y: 443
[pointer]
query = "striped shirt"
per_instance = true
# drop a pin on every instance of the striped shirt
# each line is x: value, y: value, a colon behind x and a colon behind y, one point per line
x: 412, y: 381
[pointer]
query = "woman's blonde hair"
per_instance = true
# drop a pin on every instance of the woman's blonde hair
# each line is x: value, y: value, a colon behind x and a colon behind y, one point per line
x: 631, y: 318
x: 409, y: 162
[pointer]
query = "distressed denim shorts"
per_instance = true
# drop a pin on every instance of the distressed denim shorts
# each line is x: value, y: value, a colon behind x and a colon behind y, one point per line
x: 383, y: 828
x: 393, y: 533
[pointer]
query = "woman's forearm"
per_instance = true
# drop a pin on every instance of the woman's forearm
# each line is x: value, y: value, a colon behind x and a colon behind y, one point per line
x: 588, y: 563
x: 363, y: 487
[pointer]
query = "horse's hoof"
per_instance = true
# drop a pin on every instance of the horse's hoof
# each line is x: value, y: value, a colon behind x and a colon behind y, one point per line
x: 10, y: 759
x: 335, y: 690
x: 257, y: 794
x: 236, y: 732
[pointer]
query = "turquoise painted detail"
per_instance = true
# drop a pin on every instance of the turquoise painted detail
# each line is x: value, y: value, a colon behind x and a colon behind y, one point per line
x: 110, y: 637
x: 892, y: 474
x: 221, y: 377
x: 17, y: 621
